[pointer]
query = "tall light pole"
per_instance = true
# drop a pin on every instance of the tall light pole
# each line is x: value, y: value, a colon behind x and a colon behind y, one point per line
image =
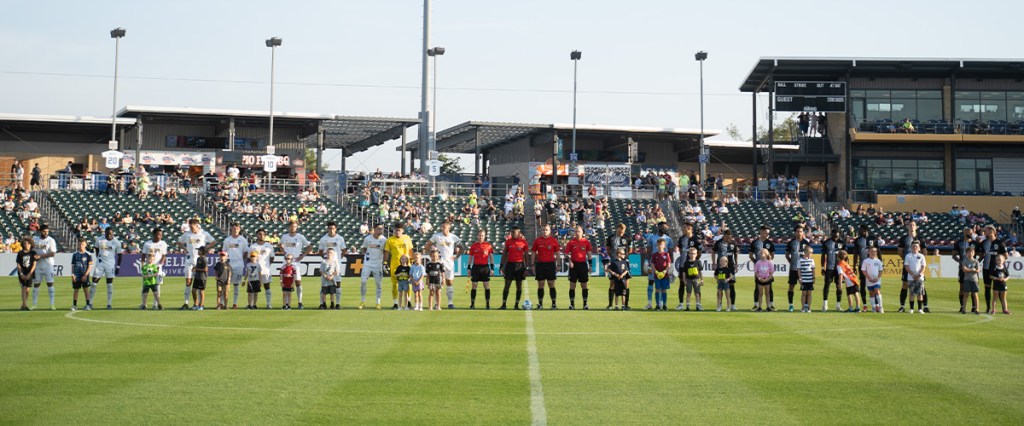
x: 700, y: 57
x: 116, y: 34
x: 434, y: 52
x: 575, y: 56
x: 425, y: 134
x: 272, y: 43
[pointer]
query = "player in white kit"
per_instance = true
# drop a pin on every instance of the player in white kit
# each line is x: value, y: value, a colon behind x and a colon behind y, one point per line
x: 296, y: 245
x: 45, y: 247
x: 265, y: 252
x: 337, y: 242
x: 236, y: 246
x: 157, y: 247
x: 192, y: 240
x: 108, y: 254
x: 448, y: 246
x: 373, y: 262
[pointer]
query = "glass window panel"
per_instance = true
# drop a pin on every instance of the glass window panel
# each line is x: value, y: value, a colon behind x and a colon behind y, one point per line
x: 1015, y: 109
x: 966, y: 110
x: 929, y: 94
x: 984, y: 179
x: 904, y: 94
x: 983, y: 163
x: 878, y: 110
x: 1015, y: 95
x: 879, y: 178
x: 904, y: 179
x: 857, y: 93
x: 993, y: 109
x: 904, y: 108
x: 929, y: 164
x: 965, y: 180
x: 930, y: 109
x: 884, y: 94
x: 964, y: 163
x: 931, y: 179
x: 904, y: 163
x: 996, y: 96
x: 879, y: 163
x: 967, y: 95
x: 858, y: 110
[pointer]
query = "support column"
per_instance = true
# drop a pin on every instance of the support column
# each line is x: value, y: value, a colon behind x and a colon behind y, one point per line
x: 483, y: 163
x: 138, y: 141
x: 321, y: 137
x: 476, y: 150
x: 343, y: 161
x: 753, y: 138
x: 231, y: 134
x: 401, y: 168
x: 771, y: 123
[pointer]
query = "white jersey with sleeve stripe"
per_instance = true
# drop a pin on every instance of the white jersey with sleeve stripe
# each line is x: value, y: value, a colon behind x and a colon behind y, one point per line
x: 107, y: 250
x: 236, y: 248
x: 337, y: 242
x: 193, y: 241
x: 294, y: 245
x: 264, y: 252
x: 374, y: 247
x: 157, y: 249
x: 44, y: 246
x: 445, y: 245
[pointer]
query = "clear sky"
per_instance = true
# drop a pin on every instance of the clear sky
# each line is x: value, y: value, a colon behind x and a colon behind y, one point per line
x: 506, y: 60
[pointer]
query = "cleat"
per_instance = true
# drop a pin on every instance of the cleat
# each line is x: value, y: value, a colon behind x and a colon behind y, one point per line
x: 322, y: 307
x: 586, y: 307
x: 502, y: 308
x: 378, y: 306
x: 394, y: 307
x: 54, y: 308
x: 757, y: 309
x: 680, y: 307
x: 699, y: 308
x: 687, y: 308
x: 719, y: 309
x: 234, y: 306
x: 824, y: 307
x: 183, y: 307
x: 608, y: 308
x: 25, y: 308
x: 472, y: 306
x: 1006, y: 311
x: 838, y: 306
x: 88, y: 307
x: 902, y: 309
x: 110, y: 308
x: 926, y: 310
x: 142, y: 307
x: 646, y: 308
x: 516, y: 306
x: 770, y: 309
x: 540, y: 307
x: 337, y: 307
x: 451, y: 306
x: 754, y: 309
x: 791, y: 308
x: 301, y: 307
x: 572, y: 307
x: 74, y: 308
x: 33, y: 307
x: 554, y: 306
x: 159, y: 307
x: 975, y: 312
x: 200, y: 308
x: 626, y: 308
x: 488, y: 306
x: 963, y: 311
x: 361, y: 305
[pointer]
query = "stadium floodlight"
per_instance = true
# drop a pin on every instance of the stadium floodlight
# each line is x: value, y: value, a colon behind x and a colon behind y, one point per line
x: 434, y: 52
x: 575, y: 56
x: 701, y: 56
x: 116, y: 34
x: 272, y: 43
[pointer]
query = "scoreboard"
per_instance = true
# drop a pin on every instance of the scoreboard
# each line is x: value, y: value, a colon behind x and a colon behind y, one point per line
x: 810, y: 96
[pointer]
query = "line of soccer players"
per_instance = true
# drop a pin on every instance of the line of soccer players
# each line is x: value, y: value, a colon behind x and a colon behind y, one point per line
x: 244, y: 264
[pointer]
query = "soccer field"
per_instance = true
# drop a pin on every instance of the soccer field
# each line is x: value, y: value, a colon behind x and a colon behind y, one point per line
x: 515, y: 367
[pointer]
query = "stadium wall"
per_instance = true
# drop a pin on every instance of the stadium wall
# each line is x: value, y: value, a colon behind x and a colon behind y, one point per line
x: 941, y: 203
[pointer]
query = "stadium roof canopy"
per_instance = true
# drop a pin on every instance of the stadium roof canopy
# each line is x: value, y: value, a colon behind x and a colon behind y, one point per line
x: 353, y: 134
x: 467, y: 137
x: 32, y: 128
x: 835, y: 69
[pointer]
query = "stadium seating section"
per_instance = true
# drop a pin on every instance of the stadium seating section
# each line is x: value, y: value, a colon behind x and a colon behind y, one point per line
x: 313, y: 229
x: 940, y: 230
x: 993, y: 127
x: 745, y: 218
x: 10, y: 223
x: 75, y: 205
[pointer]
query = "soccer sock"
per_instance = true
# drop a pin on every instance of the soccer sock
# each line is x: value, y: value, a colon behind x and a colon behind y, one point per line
x: 682, y: 291
x: 472, y: 297
x: 234, y: 300
x: 625, y: 300
x: 519, y: 294
x: 268, y: 296
x: 839, y: 295
x: 824, y: 296
x: 732, y: 293
x: 903, y: 297
x: 451, y: 294
x: 487, y: 296
x: 650, y: 292
x: 337, y: 295
x: 879, y: 299
x: 379, y: 290
x: 362, y: 291
x: 298, y: 292
x: 790, y: 294
x: 35, y: 295
x: 110, y: 294
x: 572, y: 296
x: 52, y: 292
x: 911, y: 304
x: 553, y: 295
x: 92, y: 293
x: 611, y: 296
x: 988, y: 297
x: 540, y: 296
x: 863, y: 290
x: 924, y: 300
x: 586, y: 293
x: 771, y: 297
x: 757, y: 294
x: 188, y: 289
x: 504, y: 294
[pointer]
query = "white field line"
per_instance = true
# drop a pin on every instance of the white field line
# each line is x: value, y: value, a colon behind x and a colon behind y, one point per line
x: 540, y: 415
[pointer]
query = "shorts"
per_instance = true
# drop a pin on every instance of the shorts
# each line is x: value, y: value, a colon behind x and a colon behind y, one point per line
x: 915, y: 288
x: 852, y: 290
x: 377, y: 271
x: 101, y: 270
x: 692, y: 284
x: 287, y: 289
x: 723, y: 285
x: 325, y: 282
x: 998, y: 285
x: 662, y: 284
x: 222, y: 283
x: 190, y: 263
x: 149, y: 288
x: 198, y: 284
x: 794, y: 277
x: 237, y: 277
x: 254, y: 287
x: 449, y: 270
x: 403, y: 286
x: 419, y: 287
x: 43, y: 274
x: 619, y: 287
x: 328, y: 289
x: 874, y: 287
x: 580, y: 272
x: 831, y: 276
x: 769, y: 282
x: 25, y: 283
x: 265, y: 279
x: 515, y: 271
x: 807, y: 286
x: 79, y: 281
x: 969, y: 287
x: 480, y: 273
x: 34, y: 181
x: 545, y: 271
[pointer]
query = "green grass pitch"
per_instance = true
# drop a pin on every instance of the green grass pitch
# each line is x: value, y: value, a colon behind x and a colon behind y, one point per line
x: 457, y: 367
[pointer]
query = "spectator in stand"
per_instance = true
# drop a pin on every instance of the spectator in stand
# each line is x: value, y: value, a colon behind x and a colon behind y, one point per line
x: 133, y: 247
x: 1015, y: 214
x: 844, y: 212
